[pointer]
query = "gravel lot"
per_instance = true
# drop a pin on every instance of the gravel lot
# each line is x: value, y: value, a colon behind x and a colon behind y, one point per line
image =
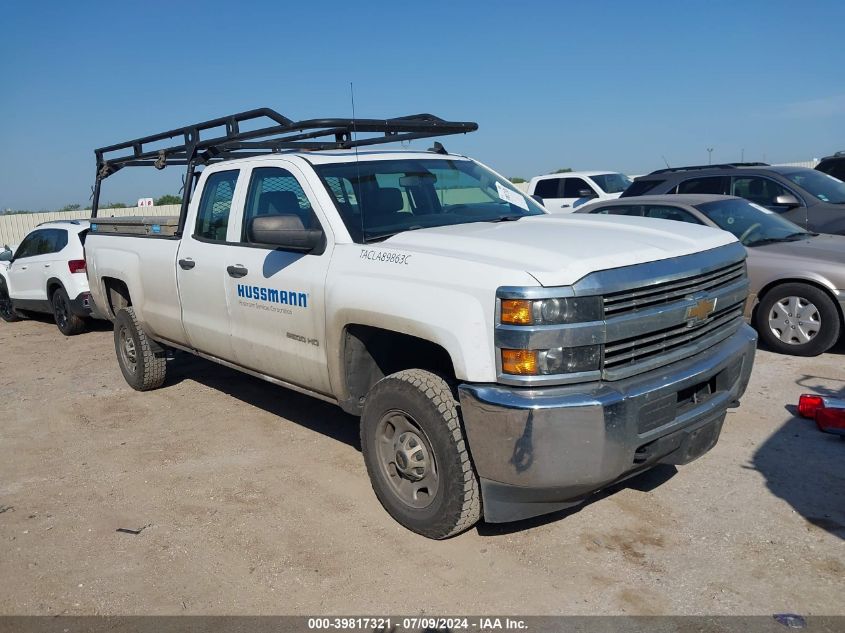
x: 254, y: 499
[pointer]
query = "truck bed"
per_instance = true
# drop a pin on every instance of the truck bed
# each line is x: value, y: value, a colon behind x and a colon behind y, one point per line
x: 137, y: 226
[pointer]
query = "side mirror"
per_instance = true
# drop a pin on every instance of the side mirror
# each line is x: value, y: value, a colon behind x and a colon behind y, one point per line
x: 537, y: 198
x: 6, y: 255
x: 787, y: 200
x: 587, y: 193
x: 285, y: 231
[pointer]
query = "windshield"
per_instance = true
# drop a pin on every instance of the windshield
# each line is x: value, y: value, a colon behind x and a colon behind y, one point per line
x: 753, y: 225
x: 612, y: 183
x: 377, y: 199
x: 824, y: 187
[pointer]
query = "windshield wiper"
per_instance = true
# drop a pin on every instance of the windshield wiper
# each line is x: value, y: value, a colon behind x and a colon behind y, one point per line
x: 505, y: 218
x: 792, y: 237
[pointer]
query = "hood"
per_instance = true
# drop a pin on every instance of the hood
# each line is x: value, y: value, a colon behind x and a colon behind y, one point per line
x: 827, y: 248
x: 558, y: 250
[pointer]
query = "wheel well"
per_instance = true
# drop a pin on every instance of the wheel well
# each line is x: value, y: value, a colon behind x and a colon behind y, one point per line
x: 807, y: 282
x: 52, y: 286
x: 371, y: 353
x: 117, y: 294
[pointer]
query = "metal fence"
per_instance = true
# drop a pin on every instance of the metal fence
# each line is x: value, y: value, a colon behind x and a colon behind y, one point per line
x: 13, y: 228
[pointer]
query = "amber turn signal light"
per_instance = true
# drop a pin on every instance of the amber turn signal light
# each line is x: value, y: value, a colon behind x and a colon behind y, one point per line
x: 516, y: 312
x: 519, y: 362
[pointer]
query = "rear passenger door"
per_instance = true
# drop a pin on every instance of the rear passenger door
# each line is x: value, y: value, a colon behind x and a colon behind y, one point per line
x: 53, y: 263
x: 201, y: 267
x: 276, y: 296
x: 551, y: 191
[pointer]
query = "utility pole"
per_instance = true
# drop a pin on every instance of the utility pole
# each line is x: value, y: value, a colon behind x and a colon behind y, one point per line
x: 709, y: 155
x: 742, y: 156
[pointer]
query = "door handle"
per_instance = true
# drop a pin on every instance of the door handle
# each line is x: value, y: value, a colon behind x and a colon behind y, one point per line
x: 187, y: 264
x: 236, y: 271
x: 23, y: 267
x: 564, y: 206
x: 46, y: 265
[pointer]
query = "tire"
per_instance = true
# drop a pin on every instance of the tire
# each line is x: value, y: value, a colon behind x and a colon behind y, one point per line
x: 416, y: 454
x: 798, y: 319
x: 141, y: 360
x: 68, y: 323
x: 7, y: 312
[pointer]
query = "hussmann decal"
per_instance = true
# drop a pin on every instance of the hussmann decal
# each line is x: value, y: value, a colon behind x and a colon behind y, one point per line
x: 273, y: 295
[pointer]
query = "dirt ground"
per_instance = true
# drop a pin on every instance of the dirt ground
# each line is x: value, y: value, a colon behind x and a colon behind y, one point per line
x: 254, y: 499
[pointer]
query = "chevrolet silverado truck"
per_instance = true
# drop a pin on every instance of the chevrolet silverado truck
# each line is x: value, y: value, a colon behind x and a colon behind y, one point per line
x: 504, y: 362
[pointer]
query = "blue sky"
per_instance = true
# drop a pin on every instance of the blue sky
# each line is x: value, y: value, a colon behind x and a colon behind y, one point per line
x: 587, y: 85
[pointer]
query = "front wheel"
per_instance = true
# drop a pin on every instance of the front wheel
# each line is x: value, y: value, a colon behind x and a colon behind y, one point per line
x: 68, y: 323
x: 142, y: 363
x: 798, y: 319
x: 416, y: 454
x: 7, y: 310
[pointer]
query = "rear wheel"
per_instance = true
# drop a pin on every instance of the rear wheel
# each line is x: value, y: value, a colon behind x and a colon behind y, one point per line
x: 7, y: 311
x: 68, y: 323
x: 416, y: 454
x: 141, y: 361
x: 798, y: 319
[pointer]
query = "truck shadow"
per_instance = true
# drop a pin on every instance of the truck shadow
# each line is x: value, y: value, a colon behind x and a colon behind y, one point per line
x: 308, y: 412
x: 644, y: 482
x: 804, y: 466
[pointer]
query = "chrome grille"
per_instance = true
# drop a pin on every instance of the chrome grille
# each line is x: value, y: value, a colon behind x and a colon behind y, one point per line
x: 667, y: 292
x: 636, y: 349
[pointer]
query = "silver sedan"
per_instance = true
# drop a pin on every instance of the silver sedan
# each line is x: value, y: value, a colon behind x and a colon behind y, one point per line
x: 797, y: 277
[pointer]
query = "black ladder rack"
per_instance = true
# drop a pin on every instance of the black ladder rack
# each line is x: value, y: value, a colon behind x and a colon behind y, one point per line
x: 281, y: 134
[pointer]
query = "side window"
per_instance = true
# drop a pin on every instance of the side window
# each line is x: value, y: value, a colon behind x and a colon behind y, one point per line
x: 709, y: 184
x: 54, y: 241
x: 762, y: 191
x: 27, y: 248
x: 640, y: 187
x: 626, y: 209
x: 215, y: 204
x: 572, y: 188
x: 548, y: 188
x: 669, y: 213
x: 276, y: 191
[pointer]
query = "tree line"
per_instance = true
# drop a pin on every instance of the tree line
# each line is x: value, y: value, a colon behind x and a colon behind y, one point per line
x: 162, y: 200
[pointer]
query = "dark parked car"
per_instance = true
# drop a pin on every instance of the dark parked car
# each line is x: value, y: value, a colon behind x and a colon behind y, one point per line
x: 797, y: 298
x: 809, y: 198
x: 833, y: 165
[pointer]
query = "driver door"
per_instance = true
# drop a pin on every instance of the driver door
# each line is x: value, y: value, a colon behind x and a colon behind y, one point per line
x: 276, y: 296
x: 25, y: 271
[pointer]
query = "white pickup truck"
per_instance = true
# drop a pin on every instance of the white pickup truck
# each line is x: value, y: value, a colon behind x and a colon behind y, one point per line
x: 504, y: 362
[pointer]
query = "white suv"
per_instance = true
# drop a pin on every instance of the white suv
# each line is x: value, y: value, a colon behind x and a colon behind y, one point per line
x: 565, y: 192
x: 46, y: 273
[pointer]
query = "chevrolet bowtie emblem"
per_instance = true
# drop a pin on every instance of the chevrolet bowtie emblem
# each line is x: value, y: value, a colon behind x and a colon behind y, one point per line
x: 701, y: 310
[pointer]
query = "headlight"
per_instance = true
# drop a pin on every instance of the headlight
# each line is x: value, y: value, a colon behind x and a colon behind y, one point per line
x: 557, y: 360
x: 551, y: 311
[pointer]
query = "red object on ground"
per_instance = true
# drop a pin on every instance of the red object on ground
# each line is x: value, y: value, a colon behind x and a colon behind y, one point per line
x: 831, y: 420
x: 808, y: 404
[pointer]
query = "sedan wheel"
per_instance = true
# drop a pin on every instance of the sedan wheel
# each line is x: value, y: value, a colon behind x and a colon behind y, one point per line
x: 798, y: 319
x: 795, y: 320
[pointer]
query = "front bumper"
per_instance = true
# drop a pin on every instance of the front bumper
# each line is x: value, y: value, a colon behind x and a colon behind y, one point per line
x: 538, y: 450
